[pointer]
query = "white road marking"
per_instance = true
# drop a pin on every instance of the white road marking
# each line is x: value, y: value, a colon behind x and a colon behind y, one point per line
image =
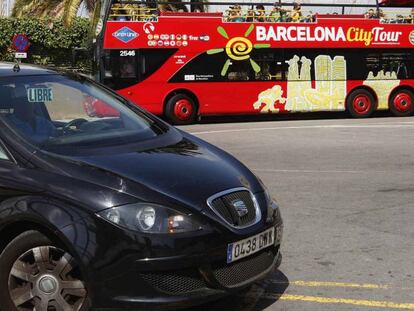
x: 335, y: 126
x: 313, y: 171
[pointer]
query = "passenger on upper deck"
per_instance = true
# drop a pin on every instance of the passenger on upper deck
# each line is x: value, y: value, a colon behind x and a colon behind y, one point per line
x: 235, y: 14
x: 119, y: 13
x: 382, y: 15
x: 163, y: 8
x: 296, y: 13
x: 250, y: 16
x: 260, y: 14
x: 173, y: 7
x: 198, y: 9
x: 278, y: 14
x: 410, y: 19
x: 310, y: 17
x: 371, y: 14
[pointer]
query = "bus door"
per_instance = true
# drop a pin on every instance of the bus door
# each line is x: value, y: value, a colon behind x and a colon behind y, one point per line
x: 224, y: 85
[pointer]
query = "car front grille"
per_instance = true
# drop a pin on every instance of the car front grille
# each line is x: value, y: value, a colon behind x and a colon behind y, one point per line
x: 175, y: 283
x: 236, y: 208
x: 239, y: 272
x: 188, y: 281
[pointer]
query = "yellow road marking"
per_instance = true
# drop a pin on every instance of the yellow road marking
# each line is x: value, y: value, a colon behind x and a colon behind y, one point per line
x: 338, y: 284
x: 355, y: 302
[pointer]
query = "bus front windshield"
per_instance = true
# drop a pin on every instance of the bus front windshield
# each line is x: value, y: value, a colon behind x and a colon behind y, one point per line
x: 61, y: 114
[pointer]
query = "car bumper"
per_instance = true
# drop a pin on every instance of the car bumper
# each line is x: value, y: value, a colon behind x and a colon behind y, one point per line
x: 180, y: 289
x: 126, y: 271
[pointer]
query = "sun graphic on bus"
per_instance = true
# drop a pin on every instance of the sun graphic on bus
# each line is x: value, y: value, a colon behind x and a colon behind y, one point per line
x: 238, y: 49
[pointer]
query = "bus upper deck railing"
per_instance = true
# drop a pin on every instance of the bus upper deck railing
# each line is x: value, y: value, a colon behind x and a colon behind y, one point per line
x: 137, y: 10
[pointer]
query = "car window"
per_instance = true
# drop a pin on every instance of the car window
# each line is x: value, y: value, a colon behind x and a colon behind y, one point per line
x: 58, y: 113
x: 3, y: 155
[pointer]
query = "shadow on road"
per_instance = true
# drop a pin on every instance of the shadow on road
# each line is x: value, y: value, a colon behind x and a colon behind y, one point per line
x: 284, y: 117
x: 260, y: 296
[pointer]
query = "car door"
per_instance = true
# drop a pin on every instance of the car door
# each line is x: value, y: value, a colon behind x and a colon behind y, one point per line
x: 10, y: 172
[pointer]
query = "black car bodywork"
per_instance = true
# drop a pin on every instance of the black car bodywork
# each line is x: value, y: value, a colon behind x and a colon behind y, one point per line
x: 61, y: 196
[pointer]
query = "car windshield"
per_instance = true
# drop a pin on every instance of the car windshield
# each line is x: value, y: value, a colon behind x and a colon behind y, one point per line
x: 57, y: 112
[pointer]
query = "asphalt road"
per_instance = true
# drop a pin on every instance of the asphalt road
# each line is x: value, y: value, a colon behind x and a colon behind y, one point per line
x: 346, y: 189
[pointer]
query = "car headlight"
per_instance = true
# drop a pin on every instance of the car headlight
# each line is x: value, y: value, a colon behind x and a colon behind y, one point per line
x: 150, y: 218
x: 273, y: 210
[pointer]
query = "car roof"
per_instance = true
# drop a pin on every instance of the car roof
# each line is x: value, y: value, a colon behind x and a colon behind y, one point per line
x: 6, y: 70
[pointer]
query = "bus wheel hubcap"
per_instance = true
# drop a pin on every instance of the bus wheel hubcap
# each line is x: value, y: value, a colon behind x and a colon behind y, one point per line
x: 362, y: 104
x: 183, y: 109
x: 45, y: 279
x: 403, y: 102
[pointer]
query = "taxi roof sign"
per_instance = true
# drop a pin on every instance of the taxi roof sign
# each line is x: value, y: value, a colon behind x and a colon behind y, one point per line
x: 21, y: 43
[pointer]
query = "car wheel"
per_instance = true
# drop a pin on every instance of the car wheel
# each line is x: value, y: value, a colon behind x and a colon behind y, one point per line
x: 37, y: 275
x: 402, y: 103
x: 361, y: 104
x: 181, y: 109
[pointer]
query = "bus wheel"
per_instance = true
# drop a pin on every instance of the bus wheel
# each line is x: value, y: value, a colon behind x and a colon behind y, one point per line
x: 181, y: 109
x: 361, y: 104
x: 402, y: 103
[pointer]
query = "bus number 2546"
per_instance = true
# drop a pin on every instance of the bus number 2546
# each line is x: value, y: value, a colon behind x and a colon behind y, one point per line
x: 126, y: 53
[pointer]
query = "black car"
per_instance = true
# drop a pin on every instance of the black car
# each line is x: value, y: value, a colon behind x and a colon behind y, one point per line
x: 105, y: 207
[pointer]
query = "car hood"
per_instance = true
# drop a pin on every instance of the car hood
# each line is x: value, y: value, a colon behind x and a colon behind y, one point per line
x: 187, y: 170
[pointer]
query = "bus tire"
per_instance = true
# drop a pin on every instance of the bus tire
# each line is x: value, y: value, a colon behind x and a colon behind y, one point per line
x: 181, y: 109
x: 361, y: 104
x: 402, y: 103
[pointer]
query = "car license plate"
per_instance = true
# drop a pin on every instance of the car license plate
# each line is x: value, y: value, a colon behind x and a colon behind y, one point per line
x: 249, y: 246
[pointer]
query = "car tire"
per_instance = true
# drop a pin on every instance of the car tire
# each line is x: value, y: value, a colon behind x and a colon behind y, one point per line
x: 181, y: 109
x: 35, y: 274
x: 361, y: 104
x: 402, y: 103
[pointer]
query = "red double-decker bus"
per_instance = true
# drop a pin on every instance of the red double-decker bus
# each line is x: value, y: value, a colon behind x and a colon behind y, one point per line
x: 188, y: 64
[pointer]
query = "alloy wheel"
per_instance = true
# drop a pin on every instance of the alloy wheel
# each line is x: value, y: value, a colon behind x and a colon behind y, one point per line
x: 46, y: 279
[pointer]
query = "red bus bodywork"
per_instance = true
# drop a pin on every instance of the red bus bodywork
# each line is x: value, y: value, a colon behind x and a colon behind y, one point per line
x: 397, y: 2
x: 208, y: 32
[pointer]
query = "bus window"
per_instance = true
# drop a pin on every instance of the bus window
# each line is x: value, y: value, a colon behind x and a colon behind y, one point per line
x: 206, y: 68
x: 373, y: 65
x: 220, y: 68
x: 152, y: 59
x: 271, y: 63
x: 121, y: 68
x: 240, y: 71
x: 264, y: 74
x: 124, y: 68
x: 307, y: 65
x: 367, y: 64
x: 400, y: 63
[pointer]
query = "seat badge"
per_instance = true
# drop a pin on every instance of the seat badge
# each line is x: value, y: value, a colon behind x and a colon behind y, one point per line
x: 240, y: 207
